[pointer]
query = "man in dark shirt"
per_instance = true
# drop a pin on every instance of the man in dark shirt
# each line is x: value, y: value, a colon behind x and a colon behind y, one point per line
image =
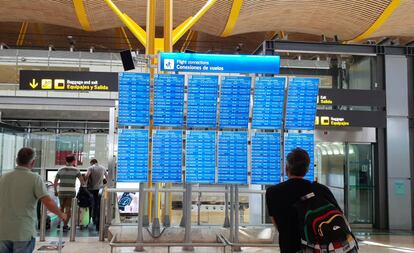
x: 281, y: 198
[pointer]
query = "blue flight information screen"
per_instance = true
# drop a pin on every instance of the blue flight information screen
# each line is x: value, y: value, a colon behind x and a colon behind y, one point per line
x: 304, y: 141
x: 301, y: 103
x: 132, y: 155
x: 235, y: 101
x: 134, y: 99
x: 265, y: 158
x: 200, y: 157
x: 167, y: 156
x: 202, y: 101
x: 232, y: 158
x: 268, y: 100
x: 168, y: 100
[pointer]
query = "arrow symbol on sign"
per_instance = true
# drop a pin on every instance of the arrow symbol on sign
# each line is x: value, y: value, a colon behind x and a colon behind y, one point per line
x: 33, y: 84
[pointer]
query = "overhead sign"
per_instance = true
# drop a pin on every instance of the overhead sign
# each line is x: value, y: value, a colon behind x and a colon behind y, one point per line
x: 351, y: 97
x: 219, y: 63
x: 68, y: 81
x: 331, y: 118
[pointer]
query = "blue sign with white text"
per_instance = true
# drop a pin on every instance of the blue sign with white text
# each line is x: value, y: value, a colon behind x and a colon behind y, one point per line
x: 235, y: 101
x: 232, y: 158
x: 202, y: 101
x: 219, y: 63
x: 200, y: 157
x: 168, y: 100
x: 268, y: 100
x: 301, y: 103
x: 134, y: 99
x: 133, y: 155
x: 306, y: 142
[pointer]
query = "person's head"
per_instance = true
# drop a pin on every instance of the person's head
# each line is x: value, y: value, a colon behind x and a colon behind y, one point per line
x: 71, y: 160
x: 297, y: 163
x: 93, y: 161
x: 26, y: 158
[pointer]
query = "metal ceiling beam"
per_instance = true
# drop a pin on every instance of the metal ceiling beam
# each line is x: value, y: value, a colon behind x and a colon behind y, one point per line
x: 81, y: 14
x: 280, y: 46
x: 379, y: 22
x: 13, y: 100
x: 233, y: 16
x: 182, y: 29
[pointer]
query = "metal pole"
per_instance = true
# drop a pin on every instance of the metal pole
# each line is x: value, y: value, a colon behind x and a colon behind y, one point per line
x: 156, y: 221
x: 198, y: 208
x: 140, y: 238
x: 73, y: 220
x: 43, y: 214
x: 183, y: 219
x: 226, y: 207
x: 187, y: 236
x: 102, y: 218
x: 167, y: 221
x: 237, y: 218
x: 145, y: 222
x: 231, y: 237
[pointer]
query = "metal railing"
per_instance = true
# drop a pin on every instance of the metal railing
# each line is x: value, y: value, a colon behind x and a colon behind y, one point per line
x: 187, y: 244
x: 73, y: 221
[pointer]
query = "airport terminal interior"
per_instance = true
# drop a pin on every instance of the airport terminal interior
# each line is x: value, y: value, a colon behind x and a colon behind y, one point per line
x: 192, y: 106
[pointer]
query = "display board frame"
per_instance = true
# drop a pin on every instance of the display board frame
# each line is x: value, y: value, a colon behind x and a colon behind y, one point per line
x: 218, y: 128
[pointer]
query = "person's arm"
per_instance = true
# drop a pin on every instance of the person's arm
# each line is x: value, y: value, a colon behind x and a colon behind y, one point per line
x: 55, y: 184
x: 88, y: 174
x: 48, y: 202
x: 274, y: 222
x: 82, y: 182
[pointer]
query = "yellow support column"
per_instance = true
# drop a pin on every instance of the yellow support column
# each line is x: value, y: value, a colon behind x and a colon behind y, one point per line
x: 168, y: 25
x: 150, y: 51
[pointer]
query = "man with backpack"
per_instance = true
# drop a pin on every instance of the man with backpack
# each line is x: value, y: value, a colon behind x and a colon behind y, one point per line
x: 306, y: 214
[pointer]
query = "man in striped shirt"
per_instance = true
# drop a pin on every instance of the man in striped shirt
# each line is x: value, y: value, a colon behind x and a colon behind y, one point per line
x: 66, y: 177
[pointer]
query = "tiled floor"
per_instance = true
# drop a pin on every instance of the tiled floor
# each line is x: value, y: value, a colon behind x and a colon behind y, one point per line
x: 370, y: 242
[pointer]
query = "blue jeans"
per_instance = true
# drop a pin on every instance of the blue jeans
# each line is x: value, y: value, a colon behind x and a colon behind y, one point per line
x: 17, y: 247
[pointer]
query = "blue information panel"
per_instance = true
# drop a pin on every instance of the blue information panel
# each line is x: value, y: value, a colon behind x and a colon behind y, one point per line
x: 132, y: 155
x: 232, y: 158
x: 301, y: 103
x: 235, y: 102
x: 168, y: 100
x: 220, y: 63
x: 167, y: 156
x: 202, y: 101
x: 200, y: 157
x: 269, y: 95
x: 134, y: 99
x: 304, y: 141
x: 265, y: 158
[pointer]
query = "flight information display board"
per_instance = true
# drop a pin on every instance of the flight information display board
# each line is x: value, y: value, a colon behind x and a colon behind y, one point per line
x: 202, y: 101
x: 304, y: 141
x: 268, y: 100
x: 232, y: 158
x: 301, y: 103
x: 235, y: 101
x: 134, y: 99
x: 168, y: 100
x: 167, y: 156
x: 265, y: 158
x: 200, y: 157
x: 132, y: 155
